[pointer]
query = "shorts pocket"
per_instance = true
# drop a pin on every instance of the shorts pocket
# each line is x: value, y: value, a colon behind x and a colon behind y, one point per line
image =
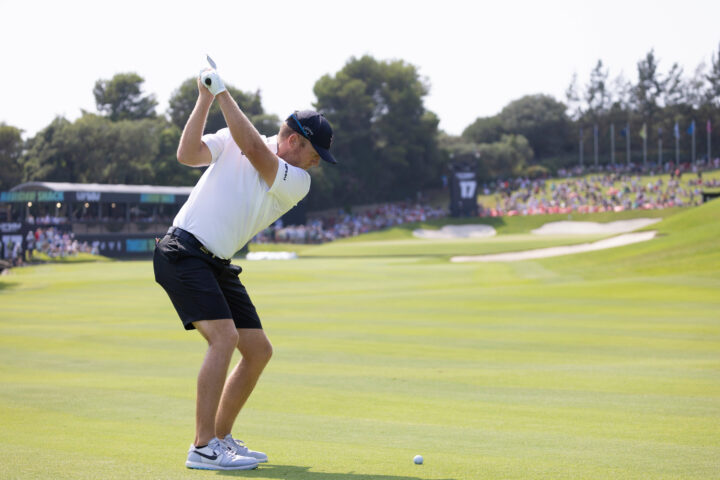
x: 234, y: 270
x: 170, y: 248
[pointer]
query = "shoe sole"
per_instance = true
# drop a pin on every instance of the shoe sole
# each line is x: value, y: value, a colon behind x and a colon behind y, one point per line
x: 208, y: 466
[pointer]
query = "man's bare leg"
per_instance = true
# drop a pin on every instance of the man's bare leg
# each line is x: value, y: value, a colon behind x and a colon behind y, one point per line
x: 222, y: 338
x: 256, y: 351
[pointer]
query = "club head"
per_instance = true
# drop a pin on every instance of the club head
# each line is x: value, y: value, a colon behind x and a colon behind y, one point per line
x: 212, y: 64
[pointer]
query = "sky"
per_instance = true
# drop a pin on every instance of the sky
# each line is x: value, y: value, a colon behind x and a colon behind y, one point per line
x: 477, y: 56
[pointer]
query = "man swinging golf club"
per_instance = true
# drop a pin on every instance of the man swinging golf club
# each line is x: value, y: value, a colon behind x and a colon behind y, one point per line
x: 251, y: 181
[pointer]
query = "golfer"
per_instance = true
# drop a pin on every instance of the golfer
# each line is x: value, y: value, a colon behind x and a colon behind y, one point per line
x: 251, y: 181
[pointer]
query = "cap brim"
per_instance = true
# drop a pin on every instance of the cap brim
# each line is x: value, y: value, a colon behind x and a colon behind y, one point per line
x: 325, y: 154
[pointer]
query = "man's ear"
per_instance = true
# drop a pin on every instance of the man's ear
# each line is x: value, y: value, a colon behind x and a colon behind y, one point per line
x: 294, y: 140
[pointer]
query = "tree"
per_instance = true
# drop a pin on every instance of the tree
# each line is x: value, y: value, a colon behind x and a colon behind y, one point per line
x: 96, y: 149
x: 713, y: 78
x: 484, y: 130
x: 674, y: 89
x: 11, y: 145
x: 695, y: 89
x: 597, y: 95
x: 649, y: 88
x: 385, y: 140
x: 621, y: 93
x: 48, y: 156
x: 182, y: 102
x: 541, y: 120
x: 121, y: 98
x: 507, y: 157
x: 572, y: 99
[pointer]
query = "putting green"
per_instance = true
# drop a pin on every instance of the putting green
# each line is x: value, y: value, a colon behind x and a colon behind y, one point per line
x: 598, y: 365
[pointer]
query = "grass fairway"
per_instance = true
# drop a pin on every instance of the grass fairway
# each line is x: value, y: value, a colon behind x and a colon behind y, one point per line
x: 600, y: 365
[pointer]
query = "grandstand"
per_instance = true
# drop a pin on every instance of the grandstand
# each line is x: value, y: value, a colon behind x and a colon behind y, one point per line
x: 116, y: 220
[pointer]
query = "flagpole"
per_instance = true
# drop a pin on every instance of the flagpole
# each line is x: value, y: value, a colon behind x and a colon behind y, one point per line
x: 581, y: 148
x: 692, y: 160
x: 595, y: 145
x: 709, y: 131
x: 677, y: 145
x: 627, y: 143
x: 644, y: 137
x: 612, y: 144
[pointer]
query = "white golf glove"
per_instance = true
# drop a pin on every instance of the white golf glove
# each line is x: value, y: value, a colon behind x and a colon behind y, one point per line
x: 212, y: 81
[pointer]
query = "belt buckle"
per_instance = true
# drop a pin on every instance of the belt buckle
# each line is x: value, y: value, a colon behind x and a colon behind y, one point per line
x: 206, y: 251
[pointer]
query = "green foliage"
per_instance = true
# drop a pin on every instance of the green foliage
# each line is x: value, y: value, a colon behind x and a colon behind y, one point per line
x: 96, y: 149
x: 484, y: 130
x: 182, y: 102
x: 542, y: 120
x: 385, y: 140
x: 11, y: 146
x: 649, y: 87
x: 121, y: 98
x: 507, y: 157
x: 712, y: 97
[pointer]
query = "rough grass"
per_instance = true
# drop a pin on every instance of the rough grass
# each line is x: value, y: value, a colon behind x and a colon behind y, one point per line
x: 599, y: 365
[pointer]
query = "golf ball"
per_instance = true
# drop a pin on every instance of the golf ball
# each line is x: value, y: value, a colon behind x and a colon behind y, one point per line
x: 418, y: 459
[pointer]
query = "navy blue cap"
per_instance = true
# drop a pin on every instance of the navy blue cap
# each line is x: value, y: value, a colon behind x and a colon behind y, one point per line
x: 315, y: 127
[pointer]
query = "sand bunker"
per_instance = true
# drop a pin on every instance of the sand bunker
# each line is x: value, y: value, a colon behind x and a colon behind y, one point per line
x: 619, y: 241
x: 271, y: 256
x: 456, y: 231
x: 593, y: 228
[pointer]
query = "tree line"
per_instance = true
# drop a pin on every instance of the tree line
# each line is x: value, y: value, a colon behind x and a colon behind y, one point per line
x: 389, y: 145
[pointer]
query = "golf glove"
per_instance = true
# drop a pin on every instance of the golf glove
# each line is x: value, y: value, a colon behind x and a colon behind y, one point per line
x: 212, y: 81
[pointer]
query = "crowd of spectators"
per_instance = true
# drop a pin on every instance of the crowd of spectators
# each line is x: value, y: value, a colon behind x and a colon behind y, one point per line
x: 340, y: 224
x: 598, y: 193
x: 611, y: 189
x: 649, y: 168
x: 51, y: 241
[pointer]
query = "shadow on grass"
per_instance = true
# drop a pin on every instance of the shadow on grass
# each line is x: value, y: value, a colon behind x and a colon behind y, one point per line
x: 293, y: 472
x: 7, y: 285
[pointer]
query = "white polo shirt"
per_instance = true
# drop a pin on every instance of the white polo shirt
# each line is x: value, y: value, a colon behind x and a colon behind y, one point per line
x: 231, y: 202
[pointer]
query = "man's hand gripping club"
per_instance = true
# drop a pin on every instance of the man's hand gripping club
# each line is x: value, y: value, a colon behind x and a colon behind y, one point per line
x: 211, y: 80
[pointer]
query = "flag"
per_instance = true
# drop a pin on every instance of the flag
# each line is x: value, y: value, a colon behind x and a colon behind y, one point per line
x: 643, y: 132
x: 623, y: 132
x: 691, y: 128
x: 709, y: 127
x: 677, y: 130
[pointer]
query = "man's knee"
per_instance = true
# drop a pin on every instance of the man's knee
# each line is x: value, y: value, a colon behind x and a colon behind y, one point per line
x: 255, y: 348
x: 218, y: 333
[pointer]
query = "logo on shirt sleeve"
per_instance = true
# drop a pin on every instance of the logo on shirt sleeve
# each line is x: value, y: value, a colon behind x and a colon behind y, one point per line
x: 286, y: 172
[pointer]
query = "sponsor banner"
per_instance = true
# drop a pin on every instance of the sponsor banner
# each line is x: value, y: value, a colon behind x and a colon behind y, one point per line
x: 11, y: 227
x: 117, y: 246
x: 88, y: 196
x: 82, y: 197
x: 157, y: 198
x: 34, y: 196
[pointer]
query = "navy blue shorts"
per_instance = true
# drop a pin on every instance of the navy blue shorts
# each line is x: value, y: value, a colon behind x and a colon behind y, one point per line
x: 201, y: 287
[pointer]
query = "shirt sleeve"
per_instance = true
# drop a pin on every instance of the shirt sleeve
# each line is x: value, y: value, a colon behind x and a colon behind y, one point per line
x: 216, y: 142
x: 291, y: 184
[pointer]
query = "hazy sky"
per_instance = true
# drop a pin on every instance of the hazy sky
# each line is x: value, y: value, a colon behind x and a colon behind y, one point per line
x: 476, y: 56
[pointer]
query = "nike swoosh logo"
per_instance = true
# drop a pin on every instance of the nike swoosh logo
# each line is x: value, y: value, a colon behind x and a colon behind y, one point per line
x: 209, y: 457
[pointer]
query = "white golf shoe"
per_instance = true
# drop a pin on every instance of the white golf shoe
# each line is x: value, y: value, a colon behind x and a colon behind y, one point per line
x: 238, y: 448
x: 217, y: 456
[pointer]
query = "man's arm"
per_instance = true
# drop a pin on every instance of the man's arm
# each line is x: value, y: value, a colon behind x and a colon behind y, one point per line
x: 191, y: 150
x: 248, y: 139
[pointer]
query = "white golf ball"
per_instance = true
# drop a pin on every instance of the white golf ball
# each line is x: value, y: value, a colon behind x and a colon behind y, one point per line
x: 418, y: 459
